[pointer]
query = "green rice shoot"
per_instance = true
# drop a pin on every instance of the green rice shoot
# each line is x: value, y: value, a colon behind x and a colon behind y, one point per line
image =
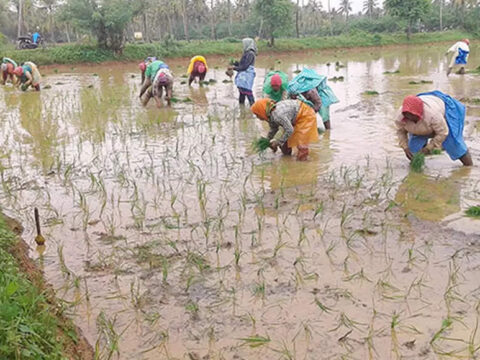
x: 417, y: 162
x: 473, y: 211
x: 436, y: 152
x: 370, y: 92
x: 261, y: 144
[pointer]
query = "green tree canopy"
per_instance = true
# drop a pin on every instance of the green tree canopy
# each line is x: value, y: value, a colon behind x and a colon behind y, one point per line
x: 409, y: 10
x: 106, y: 19
x: 276, y: 17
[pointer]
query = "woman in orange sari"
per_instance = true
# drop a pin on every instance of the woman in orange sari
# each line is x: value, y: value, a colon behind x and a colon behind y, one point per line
x: 298, y: 121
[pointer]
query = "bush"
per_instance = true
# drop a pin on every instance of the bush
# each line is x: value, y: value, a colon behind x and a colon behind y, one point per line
x: 3, y: 40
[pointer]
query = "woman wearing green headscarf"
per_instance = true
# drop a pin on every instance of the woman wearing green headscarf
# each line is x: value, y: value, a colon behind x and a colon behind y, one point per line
x: 246, y: 71
x: 275, y: 86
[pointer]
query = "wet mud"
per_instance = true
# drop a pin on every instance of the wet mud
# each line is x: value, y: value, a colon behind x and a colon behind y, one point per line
x: 169, y: 238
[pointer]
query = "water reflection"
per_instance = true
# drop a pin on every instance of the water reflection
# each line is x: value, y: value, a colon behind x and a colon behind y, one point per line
x: 432, y: 198
x: 42, y: 128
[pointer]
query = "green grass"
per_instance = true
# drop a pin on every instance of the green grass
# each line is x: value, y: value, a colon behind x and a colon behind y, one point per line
x: 28, y: 327
x: 417, y: 162
x: 75, y: 53
x: 474, y: 212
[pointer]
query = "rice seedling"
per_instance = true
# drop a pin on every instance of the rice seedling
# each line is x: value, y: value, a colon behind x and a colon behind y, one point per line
x: 108, y: 336
x: 370, y: 93
x: 417, y: 162
x: 256, y: 341
x: 391, y: 72
x: 473, y: 212
x: 259, y: 290
x: 192, y: 308
x: 322, y: 306
x: 260, y: 145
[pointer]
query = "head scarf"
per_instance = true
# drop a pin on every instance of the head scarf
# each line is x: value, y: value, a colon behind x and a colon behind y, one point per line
x: 466, y: 41
x: 162, y: 78
x: 142, y: 66
x: 249, y: 44
x: 414, y: 105
x: 18, y: 71
x: 276, y: 80
x: 262, y: 108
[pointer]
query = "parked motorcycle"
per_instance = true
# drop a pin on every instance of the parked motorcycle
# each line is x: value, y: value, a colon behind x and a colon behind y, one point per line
x: 26, y: 42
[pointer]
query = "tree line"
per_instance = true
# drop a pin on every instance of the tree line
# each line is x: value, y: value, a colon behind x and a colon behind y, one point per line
x: 112, y: 22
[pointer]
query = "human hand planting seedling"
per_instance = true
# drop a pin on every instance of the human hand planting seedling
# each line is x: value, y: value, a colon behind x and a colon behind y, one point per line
x: 297, y: 120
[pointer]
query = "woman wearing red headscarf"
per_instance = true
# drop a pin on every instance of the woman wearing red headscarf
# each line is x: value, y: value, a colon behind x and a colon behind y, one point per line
x: 430, y: 121
x: 297, y: 119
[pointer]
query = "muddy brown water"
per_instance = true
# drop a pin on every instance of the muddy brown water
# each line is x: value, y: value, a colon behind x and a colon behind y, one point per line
x: 167, y: 238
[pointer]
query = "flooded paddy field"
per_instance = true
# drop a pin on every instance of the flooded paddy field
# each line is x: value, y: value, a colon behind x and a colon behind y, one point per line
x: 168, y: 238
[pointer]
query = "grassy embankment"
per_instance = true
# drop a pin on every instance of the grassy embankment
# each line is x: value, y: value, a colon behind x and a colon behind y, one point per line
x: 31, y: 322
x: 74, y: 53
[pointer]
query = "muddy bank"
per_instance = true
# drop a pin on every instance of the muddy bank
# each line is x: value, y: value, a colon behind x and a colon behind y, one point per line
x: 75, y: 344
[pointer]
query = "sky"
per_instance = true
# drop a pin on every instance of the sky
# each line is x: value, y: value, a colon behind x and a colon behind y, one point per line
x: 357, y: 5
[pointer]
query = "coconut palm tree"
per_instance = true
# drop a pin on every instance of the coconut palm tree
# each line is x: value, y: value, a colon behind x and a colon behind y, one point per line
x: 345, y: 8
x: 369, y: 7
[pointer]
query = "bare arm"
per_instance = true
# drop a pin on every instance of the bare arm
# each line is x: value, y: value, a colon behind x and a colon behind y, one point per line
x: 440, y: 129
x: 273, y: 130
x: 29, y: 77
x: 287, y: 126
x: 402, y: 133
x: 146, y: 84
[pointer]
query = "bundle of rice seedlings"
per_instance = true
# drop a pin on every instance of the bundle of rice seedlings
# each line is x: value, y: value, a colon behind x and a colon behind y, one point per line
x: 417, y: 162
x: 436, y: 152
x: 473, y: 211
x: 261, y: 144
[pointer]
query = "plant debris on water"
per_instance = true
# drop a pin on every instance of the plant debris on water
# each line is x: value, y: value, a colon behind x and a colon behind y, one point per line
x: 413, y: 82
x: 475, y: 101
x: 417, y: 162
x: 473, y: 211
x: 337, y: 78
x: 391, y: 72
x: 370, y: 92
x: 261, y: 144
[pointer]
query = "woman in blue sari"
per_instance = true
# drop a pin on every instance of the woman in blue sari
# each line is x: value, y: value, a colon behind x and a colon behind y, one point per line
x: 245, y: 69
x: 431, y: 121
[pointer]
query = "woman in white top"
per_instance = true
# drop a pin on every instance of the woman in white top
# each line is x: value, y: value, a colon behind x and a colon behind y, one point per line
x: 459, y: 51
